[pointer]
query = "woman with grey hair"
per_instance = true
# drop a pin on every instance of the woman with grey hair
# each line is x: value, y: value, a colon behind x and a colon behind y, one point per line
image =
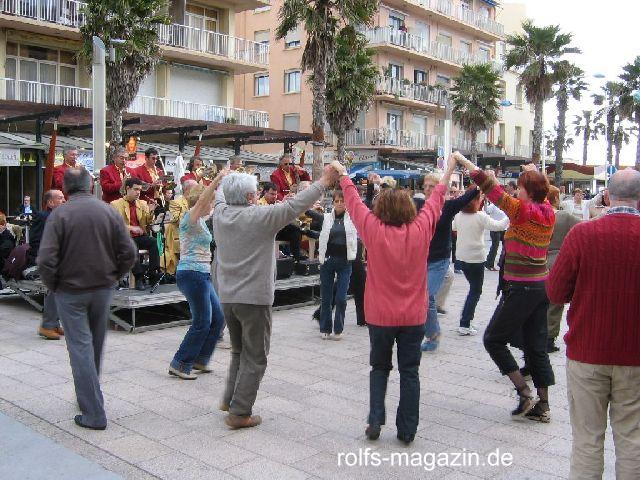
x: 194, y: 281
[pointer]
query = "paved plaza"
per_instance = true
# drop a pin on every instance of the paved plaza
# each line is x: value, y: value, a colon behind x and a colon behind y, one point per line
x: 313, y: 401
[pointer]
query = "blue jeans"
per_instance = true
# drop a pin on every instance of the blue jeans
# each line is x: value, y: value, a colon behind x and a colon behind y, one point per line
x: 331, y: 268
x: 474, y: 273
x: 207, y: 320
x: 436, y: 272
x: 409, y: 355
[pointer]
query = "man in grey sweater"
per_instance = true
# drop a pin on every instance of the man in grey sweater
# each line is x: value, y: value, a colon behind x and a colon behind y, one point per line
x: 85, y: 249
x: 246, y: 269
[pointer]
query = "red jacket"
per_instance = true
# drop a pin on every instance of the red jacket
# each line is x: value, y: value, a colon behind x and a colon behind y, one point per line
x: 58, y: 176
x: 111, y: 183
x: 192, y: 176
x: 598, y: 271
x: 396, y: 290
x: 280, y: 180
x: 143, y: 174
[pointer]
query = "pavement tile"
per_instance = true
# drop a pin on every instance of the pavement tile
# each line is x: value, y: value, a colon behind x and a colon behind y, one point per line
x: 173, y: 467
x: 152, y: 425
x: 271, y: 446
x: 265, y: 469
x: 135, y: 448
x: 212, y: 451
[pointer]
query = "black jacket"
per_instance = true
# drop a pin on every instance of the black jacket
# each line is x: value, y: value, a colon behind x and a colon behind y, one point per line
x: 7, y: 243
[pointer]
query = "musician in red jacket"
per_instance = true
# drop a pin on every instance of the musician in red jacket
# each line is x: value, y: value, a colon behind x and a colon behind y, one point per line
x: 113, y: 176
x: 287, y: 174
x: 150, y: 174
x: 70, y: 155
x: 192, y: 172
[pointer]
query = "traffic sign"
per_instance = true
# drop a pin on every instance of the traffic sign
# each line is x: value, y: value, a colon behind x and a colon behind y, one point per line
x: 611, y: 169
x: 440, y: 151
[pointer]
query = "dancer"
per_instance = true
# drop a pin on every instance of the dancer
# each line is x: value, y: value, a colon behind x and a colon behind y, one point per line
x: 471, y: 224
x: 524, y: 305
x: 245, y: 271
x: 194, y: 281
x: 397, y: 239
x: 337, y: 249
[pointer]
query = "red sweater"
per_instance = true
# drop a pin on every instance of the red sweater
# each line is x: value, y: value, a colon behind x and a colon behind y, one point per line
x: 396, y: 290
x: 598, y: 271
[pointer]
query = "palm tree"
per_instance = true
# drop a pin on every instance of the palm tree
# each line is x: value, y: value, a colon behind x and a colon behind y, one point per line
x: 475, y: 97
x: 621, y: 135
x: 322, y: 20
x: 588, y: 125
x: 351, y: 84
x: 629, y: 102
x: 609, y: 100
x: 136, y: 22
x: 534, y: 55
x: 570, y: 85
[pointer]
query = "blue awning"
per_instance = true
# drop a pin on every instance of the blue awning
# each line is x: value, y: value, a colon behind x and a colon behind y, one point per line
x: 396, y: 174
x: 493, y: 3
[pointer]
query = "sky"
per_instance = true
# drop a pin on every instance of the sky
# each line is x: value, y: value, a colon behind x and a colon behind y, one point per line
x: 607, y: 33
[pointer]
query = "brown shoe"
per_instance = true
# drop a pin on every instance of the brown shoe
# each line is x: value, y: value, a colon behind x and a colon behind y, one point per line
x: 242, y: 421
x: 48, y: 334
x: 59, y: 331
x: 223, y: 407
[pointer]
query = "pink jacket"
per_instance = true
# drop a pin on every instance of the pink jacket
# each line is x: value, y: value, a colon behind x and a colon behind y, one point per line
x: 396, y: 289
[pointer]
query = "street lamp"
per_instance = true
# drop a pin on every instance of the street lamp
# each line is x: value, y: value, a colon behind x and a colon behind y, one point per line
x: 98, y: 107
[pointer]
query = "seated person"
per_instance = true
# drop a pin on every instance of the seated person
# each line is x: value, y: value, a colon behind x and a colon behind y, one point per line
x: 25, y: 208
x: 287, y: 175
x: 52, y: 199
x: 7, y: 240
x: 166, y: 196
x: 138, y: 215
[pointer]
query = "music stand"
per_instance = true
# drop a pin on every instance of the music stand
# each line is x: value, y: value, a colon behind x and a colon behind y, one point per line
x: 163, y: 218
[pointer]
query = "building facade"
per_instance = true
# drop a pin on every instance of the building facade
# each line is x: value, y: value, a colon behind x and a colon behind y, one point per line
x: 201, y: 55
x: 420, y: 46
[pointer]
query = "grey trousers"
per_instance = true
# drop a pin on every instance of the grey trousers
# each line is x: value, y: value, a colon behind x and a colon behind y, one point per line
x: 50, y: 318
x: 443, y: 293
x: 554, y: 319
x: 250, y: 334
x: 84, y: 317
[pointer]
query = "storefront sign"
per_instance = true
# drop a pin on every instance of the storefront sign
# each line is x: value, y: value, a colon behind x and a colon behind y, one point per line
x: 9, y: 157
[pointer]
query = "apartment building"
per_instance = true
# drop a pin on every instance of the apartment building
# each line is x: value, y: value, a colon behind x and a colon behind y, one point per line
x: 514, y: 130
x: 194, y: 80
x: 420, y: 46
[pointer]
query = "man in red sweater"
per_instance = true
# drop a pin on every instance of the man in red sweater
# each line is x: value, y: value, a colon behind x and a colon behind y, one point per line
x: 597, y: 271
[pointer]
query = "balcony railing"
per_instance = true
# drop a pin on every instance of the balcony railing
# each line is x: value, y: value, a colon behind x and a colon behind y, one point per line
x: 37, y: 92
x: 411, y: 91
x: 385, y: 137
x: 205, y: 41
x: 462, y: 14
x: 482, y: 147
x: 421, y: 45
x: 61, y: 12
x: 198, y: 111
x: 521, y: 151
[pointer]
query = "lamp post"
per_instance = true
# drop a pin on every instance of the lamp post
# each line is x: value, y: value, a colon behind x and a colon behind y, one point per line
x: 98, y: 107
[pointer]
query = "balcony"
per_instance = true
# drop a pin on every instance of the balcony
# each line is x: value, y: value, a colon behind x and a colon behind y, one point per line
x: 408, y: 93
x: 397, y: 139
x: 37, y: 92
x: 205, y: 47
x: 63, y: 18
x: 520, y: 151
x: 464, y: 144
x: 392, y: 39
x: 455, y: 16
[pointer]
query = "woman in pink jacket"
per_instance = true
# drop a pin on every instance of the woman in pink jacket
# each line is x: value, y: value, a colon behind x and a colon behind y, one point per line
x: 395, y: 300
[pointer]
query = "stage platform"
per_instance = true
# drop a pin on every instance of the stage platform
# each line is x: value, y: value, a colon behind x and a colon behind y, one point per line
x: 137, y: 311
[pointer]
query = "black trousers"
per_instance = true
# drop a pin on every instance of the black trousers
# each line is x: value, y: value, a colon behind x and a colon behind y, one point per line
x: 293, y: 235
x: 146, y: 242
x: 523, y: 307
x: 358, y: 280
x: 496, y: 238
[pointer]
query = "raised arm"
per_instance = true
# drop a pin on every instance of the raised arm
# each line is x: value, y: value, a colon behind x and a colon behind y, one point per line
x: 202, y: 207
x: 430, y: 212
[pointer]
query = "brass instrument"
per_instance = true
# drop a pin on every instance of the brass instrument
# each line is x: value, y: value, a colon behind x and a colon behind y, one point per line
x: 207, y: 171
x: 123, y: 189
x: 250, y: 169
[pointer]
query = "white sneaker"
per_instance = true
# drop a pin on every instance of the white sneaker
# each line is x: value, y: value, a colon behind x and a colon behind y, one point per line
x: 467, y: 331
x: 337, y: 336
x: 325, y: 336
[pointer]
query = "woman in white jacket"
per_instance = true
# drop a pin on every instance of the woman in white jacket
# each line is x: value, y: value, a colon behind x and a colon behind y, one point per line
x: 471, y: 224
x: 338, y: 244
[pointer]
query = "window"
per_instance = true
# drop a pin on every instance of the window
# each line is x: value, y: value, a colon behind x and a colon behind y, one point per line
x: 444, y: 38
x: 517, y: 136
x: 292, y: 81
x: 465, y: 47
x: 202, y: 18
x: 420, y: 77
x: 396, y: 22
x: 502, y: 134
x: 291, y: 122
x: 422, y: 30
x: 261, y: 85
x: 440, y: 127
x: 484, y: 53
x: 394, y: 121
x: 519, y: 97
x: 261, y: 36
x: 443, y: 80
x: 396, y: 71
x: 292, y: 39
x: 419, y: 124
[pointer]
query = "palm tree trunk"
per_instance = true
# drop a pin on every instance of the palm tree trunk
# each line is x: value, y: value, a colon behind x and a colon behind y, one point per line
x: 561, y: 132
x: 537, y: 131
x: 474, y: 147
x: 319, y: 113
x: 611, y: 118
x: 116, y: 128
x: 341, y: 136
x: 586, y: 137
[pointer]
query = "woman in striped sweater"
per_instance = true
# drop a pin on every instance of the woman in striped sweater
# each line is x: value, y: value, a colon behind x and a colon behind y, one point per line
x: 524, y: 304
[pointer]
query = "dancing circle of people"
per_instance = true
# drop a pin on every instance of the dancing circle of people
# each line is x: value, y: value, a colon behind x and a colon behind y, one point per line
x: 406, y: 245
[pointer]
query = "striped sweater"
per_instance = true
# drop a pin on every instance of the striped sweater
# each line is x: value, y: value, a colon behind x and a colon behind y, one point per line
x: 527, y: 239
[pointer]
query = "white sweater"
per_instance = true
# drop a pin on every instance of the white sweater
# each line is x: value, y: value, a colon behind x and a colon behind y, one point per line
x: 470, y: 247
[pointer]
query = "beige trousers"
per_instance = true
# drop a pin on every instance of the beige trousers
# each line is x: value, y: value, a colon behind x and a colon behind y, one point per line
x: 592, y: 389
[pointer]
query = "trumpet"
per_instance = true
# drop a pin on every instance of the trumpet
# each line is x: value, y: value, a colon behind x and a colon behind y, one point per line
x: 207, y: 172
x: 250, y: 169
x: 123, y: 189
